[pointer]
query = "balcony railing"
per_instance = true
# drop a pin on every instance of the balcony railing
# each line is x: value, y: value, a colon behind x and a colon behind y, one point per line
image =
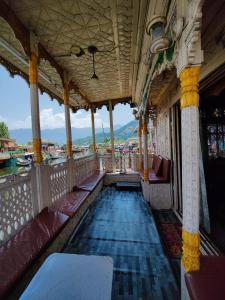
x: 18, y: 193
x: 124, y: 161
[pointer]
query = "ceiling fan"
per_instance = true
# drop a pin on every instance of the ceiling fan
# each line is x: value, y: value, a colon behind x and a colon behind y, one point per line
x: 77, y: 51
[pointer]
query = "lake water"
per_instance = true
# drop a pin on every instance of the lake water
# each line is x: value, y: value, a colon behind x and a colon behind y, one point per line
x: 14, y: 169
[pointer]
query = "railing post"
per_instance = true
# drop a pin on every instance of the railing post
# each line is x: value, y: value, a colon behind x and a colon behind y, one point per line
x: 71, y: 176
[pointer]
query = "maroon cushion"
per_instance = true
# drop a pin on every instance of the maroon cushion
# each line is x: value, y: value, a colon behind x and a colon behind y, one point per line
x: 166, y: 169
x: 156, y: 179
x: 71, y: 202
x: 91, y: 182
x: 158, y: 165
x: 207, y: 283
x: 19, y: 252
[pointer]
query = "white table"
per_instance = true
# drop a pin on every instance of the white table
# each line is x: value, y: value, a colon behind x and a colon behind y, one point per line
x: 71, y: 276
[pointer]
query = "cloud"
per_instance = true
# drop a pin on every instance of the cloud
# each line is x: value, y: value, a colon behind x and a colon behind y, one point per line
x: 51, y: 120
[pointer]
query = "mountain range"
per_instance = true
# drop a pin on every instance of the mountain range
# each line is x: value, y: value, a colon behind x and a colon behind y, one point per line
x: 80, y: 135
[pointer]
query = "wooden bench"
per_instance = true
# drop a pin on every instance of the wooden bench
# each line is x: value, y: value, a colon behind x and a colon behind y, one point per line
x: 90, y: 183
x: 71, y: 203
x: 158, y: 191
x: 17, y: 254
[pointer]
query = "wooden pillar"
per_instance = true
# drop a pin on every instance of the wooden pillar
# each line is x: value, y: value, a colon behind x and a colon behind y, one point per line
x: 93, y: 128
x: 145, y: 141
x: 140, y: 144
x: 67, y: 121
x: 190, y: 167
x: 35, y: 113
x: 112, y: 135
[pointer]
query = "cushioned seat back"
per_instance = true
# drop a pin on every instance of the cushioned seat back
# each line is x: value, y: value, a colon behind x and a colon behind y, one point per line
x: 166, y: 168
x: 154, y: 160
x: 157, y: 165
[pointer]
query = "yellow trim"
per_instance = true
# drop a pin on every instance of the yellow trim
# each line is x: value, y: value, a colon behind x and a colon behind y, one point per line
x: 191, y: 252
x: 189, y: 87
x: 37, y: 150
x: 69, y: 149
x: 146, y: 175
x: 66, y: 94
x: 33, y: 69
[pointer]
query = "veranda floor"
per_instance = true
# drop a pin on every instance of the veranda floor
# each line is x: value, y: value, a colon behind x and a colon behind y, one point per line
x: 121, y: 225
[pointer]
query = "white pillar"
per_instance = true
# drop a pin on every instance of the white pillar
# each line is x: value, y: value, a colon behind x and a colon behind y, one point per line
x: 93, y: 129
x: 67, y: 121
x: 112, y: 136
x: 190, y: 167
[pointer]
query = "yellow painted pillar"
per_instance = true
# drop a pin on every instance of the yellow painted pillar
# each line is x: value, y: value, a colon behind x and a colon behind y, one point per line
x: 189, y: 78
x: 145, y: 141
x: 140, y: 144
x: 35, y: 113
x: 67, y: 120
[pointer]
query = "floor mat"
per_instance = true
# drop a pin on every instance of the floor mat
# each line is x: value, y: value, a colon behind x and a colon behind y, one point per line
x: 170, y: 231
x: 171, y: 236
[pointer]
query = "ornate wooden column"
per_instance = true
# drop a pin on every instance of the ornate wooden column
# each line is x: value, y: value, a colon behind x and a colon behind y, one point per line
x: 67, y: 120
x: 145, y: 141
x: 190, y: 167
x: 140, y: 144
x: 35, y: 113
x: 93, y: 128
x: 112, y: 135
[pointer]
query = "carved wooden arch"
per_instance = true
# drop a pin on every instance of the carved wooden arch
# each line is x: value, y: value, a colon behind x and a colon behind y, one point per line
x: 17, y: 26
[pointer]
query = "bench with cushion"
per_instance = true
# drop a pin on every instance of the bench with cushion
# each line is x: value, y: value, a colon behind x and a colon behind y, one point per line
x: 17, y: 254
x: 208, y: 282
x: 71, y: 202
x: 90, y: 183
x: 163, y: 174
x: 160, y: 171
x: 158, y: 191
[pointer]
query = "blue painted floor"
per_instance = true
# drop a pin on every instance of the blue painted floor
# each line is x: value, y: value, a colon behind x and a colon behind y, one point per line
x: 121, y: 225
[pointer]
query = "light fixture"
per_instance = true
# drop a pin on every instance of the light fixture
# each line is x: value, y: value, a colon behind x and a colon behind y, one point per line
x: 156, y: 29
x: 92, y: 50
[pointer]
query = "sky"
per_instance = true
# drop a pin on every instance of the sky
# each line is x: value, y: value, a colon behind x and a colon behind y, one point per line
x: 15, y: 108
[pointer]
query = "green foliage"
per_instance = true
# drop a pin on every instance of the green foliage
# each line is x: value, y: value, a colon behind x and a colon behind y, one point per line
x: 4, y: 131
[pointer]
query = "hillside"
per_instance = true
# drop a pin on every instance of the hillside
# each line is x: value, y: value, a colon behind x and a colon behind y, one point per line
x: 58, y: 135
x: 122, y: 133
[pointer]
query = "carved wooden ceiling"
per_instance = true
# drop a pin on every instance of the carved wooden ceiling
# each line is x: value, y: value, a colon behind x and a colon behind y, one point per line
x: 113, y: 26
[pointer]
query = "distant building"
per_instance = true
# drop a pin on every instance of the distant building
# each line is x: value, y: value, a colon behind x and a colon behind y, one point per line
x: 7, y: 144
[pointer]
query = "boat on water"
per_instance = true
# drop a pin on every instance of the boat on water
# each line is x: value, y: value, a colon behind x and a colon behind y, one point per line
x: 4, y: 157
x: 23, y: 162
